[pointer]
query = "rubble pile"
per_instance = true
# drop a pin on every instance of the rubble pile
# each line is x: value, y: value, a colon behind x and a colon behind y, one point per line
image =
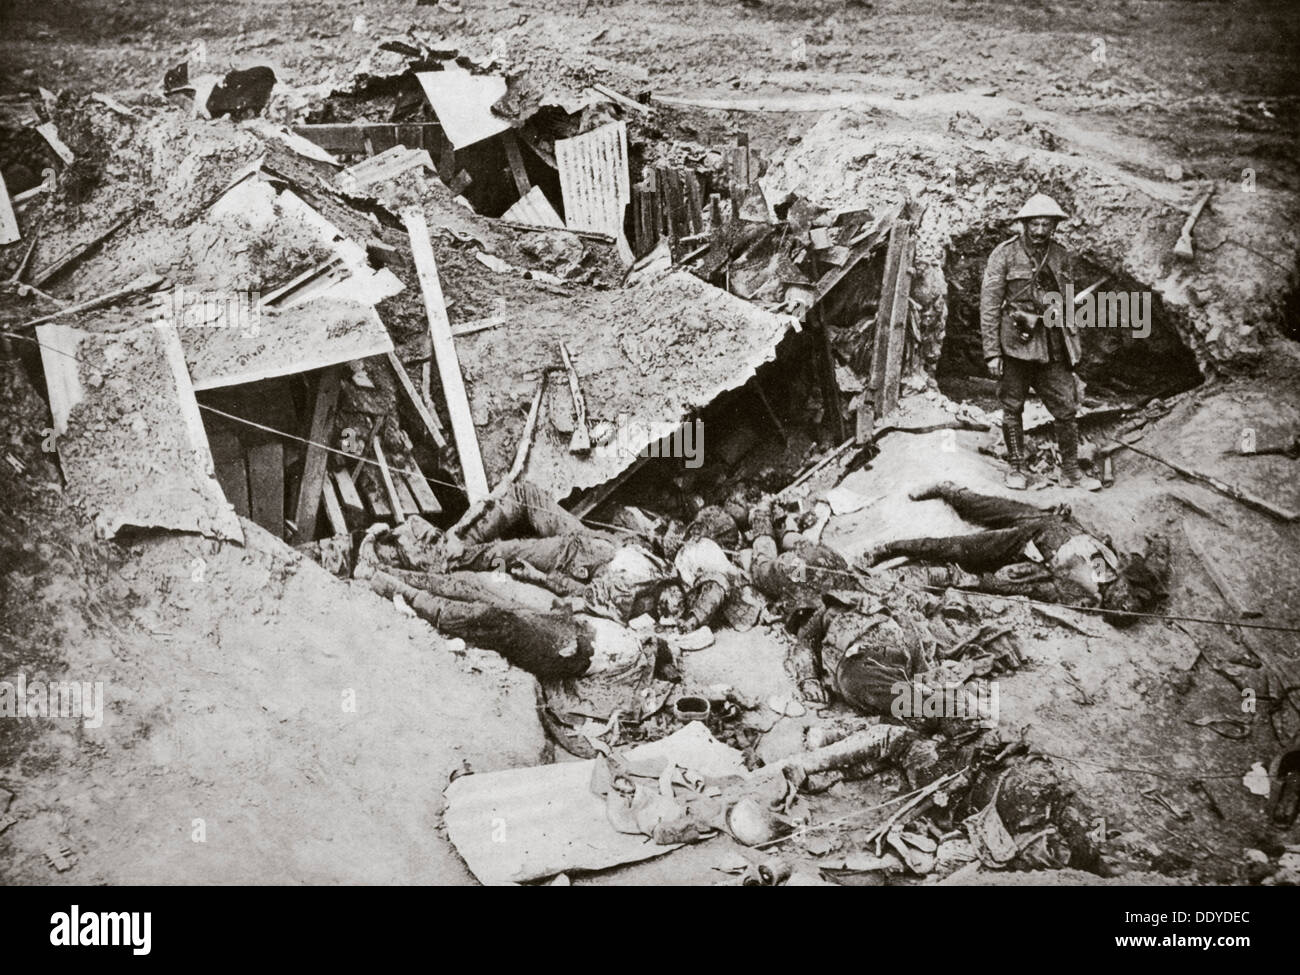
x: 450, y: 334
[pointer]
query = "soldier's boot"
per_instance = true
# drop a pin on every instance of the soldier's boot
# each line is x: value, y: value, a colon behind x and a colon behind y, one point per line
x: 1067, y: 439
x: 1013, y: 433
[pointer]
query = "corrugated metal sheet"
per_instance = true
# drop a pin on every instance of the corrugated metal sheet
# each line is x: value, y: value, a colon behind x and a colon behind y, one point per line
x: 648, y: 356
x: 525, y: 824
x: 387, y: 164
x: 130, y: 437
x: 534, y: 208
x: 594, y: 178
x: 463, y: 103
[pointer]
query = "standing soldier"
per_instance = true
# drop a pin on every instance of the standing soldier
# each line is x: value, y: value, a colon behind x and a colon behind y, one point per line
x: 1021, y: 350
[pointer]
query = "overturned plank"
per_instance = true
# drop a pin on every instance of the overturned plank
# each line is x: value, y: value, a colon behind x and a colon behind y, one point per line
x: 580, y: 442
x: 444, y: 351
x: 266, y: 486
x: 427, y: 417
x: 313, y: 469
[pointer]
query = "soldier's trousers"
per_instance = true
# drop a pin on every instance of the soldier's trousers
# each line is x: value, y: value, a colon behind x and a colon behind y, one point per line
x: 1053, y: 381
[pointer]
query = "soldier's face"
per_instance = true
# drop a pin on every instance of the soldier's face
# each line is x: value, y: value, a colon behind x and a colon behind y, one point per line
x: 1040, y: 229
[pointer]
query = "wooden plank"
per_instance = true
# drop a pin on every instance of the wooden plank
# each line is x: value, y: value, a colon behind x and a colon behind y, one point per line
x: 580, y: 442
x: 696, y: 202
x: 444, y: 351
x: 830, y: 387
x: 620, y: 99
x: 313, y: 467
x: 390, y: 489
x: 409, y: 506
x: 373, y: 491
x: 590, y: 501
x: 425, y: 499
x: 266, y: 486
x: 516, y: 160
x: 333, y: 510
x: 899, y: 314
x: 348, y: 494
x: 231, y: 469
x: 427, y: 417
x: 361, y: 464
x: 1240, y: 495
x: 351, y: 138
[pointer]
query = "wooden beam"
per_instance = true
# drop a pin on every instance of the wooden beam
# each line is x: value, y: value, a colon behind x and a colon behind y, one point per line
x: 348, y: 494
x: 333, y: 510
x: 351, y: 138
x: 898, y: 317
x: 313, y: 467
x: 409, y: 506
x: 516, y: 160
x: 266, y: 486
x: 423, y: 494
x: 444, y: 351
x: 427, y: 417
x: 390, y: 489
x: 231, y: 469
x: 580, y: 442
x: 590, y: 501
x: 372, y: 489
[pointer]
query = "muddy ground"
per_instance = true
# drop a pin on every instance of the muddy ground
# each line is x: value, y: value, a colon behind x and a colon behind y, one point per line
x: 226, y: 669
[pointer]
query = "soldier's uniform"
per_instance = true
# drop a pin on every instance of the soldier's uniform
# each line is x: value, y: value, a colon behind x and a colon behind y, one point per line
x: 1013, y: 301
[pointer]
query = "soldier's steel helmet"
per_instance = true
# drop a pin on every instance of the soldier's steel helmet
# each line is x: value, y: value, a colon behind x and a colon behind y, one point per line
x: 1040, y: 205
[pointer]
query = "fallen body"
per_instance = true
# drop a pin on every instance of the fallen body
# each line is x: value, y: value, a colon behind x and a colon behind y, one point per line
x: 1065, y: 562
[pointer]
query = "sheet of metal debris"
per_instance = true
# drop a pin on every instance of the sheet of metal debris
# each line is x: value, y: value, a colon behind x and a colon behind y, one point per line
x: 128, y: 431
x: 528, y: 823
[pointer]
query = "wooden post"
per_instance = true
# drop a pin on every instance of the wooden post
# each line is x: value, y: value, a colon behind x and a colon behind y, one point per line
x: 444, y: 352
x: 516, y: 160
x: 898, y: 316
x: 313, y: 468
x: 428, y: 418
x: 394, y: 499
x: 266, y: 486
